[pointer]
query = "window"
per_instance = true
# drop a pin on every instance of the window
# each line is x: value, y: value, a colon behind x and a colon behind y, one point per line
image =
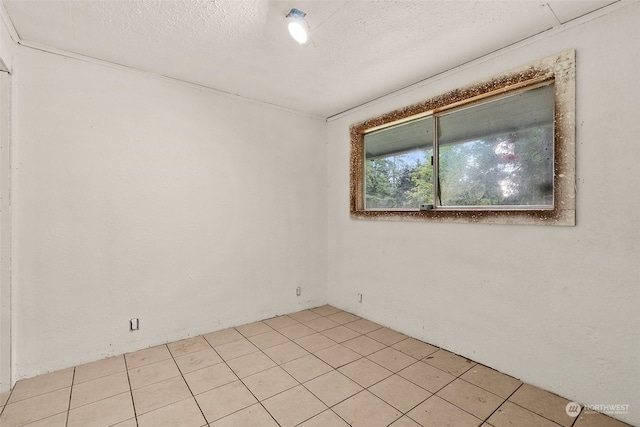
x: 495, y: 152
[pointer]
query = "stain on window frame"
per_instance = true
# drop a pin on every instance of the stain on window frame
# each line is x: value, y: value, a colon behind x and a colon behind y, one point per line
x: 559, y: 68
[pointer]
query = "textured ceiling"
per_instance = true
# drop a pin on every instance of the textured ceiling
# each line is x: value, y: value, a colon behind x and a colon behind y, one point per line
x: 359, y: 50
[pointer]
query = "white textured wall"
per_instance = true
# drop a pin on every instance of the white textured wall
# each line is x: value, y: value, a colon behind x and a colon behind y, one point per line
x: 7, y: 47
x: 556, y: 307
x: 140, y: 197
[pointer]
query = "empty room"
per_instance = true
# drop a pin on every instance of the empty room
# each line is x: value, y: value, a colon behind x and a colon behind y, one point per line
x: 262, y: 213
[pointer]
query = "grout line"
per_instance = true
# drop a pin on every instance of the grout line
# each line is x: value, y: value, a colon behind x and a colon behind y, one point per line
x: 456, y: 377
x: 187, y: 383
x: 506, y: 400
x: 7, y: 401
x: 298, y: 382
x: 245, y: 385
x: 527, y: 409
x: 330, y: 408
x: 575, y: 420
x: 73, y: 378
x: 133, y: 402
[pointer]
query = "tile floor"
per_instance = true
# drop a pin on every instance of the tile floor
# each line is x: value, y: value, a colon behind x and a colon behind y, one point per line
x: 321, y: 367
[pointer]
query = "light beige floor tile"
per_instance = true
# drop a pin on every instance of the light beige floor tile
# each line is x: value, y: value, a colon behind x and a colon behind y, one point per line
x: 280, y: 322
x: 387, y: 336
x: 190, y: 345
x: 296, y: 331
x: 337, y: 355
x: 426, y: 376
x: 304, y: 315
x: 326, y: 310
x: 405, y: 422
x: 449, y: 362
x: 25, y: 389
x: 59, y: 420
x: 250, y: 364
x: 128, y: 423
x: 366, y: 410
x: 153, y: 373
x: 98, y: 389
x: 100, y: 394
x: 343, y: 317
x: 363, y: 345
x: 163, y: 393
x: 210, y: 377
x: 100, y: 368
x: 236, y: 349
x: 340, y: 334
x: 104, y: 412
x: 223, y: 337
x: 36, y: 408
x: 327, y: 418
x: 197, y: 360
x: 293, y: 406
x: 252, y: 416
x: 363, y: 326
x: 286, y: 352
x: 392, y: 359
x: 269, y: 339
x: 225, y: 400
x: 400, y: 393
x: 332, y: 387
x: 436, y: 412
x: 256, y: 328
x: 321, y: 324
x: 305, y: 368
x: 473, y: 399
x: 592, y: 419
x: 314, y: 342
x: 494, y: 381
x: 184, y: 413
x: 543, y: 403
x: 509, y: 415
x: 365, y: 372
x: 415, y: 348
x: 147, y: 356
x: 270, y: 382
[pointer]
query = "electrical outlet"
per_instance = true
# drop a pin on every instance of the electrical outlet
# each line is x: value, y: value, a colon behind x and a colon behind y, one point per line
x: 298, y: 291
x: 134, y: 324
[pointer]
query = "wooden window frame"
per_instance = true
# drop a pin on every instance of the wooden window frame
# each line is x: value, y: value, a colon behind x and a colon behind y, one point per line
x: 559, y: 68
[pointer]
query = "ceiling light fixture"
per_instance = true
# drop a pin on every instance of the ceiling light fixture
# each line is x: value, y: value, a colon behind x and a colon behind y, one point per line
x: 298, y: 27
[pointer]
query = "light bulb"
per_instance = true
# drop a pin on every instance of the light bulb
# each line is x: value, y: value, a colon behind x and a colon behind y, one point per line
x: 298, y: 31
x: 298, y: 27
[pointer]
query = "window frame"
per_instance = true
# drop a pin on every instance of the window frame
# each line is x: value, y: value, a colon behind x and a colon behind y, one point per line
x: 558, y: 70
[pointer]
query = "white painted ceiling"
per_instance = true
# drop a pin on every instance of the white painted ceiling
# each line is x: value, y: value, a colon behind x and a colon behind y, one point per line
x: 359, y: 50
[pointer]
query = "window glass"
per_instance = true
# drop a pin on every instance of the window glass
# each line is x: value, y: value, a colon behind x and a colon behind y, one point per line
x: 499, y: 153
x: 398, y: 169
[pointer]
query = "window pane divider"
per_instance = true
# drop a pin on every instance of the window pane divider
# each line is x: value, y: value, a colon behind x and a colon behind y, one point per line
x: 436, y: 157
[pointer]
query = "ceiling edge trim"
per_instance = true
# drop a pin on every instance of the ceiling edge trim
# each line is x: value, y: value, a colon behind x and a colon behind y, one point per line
x: 553, y: 31
x: 161, y: 77
x: 4, y: 15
